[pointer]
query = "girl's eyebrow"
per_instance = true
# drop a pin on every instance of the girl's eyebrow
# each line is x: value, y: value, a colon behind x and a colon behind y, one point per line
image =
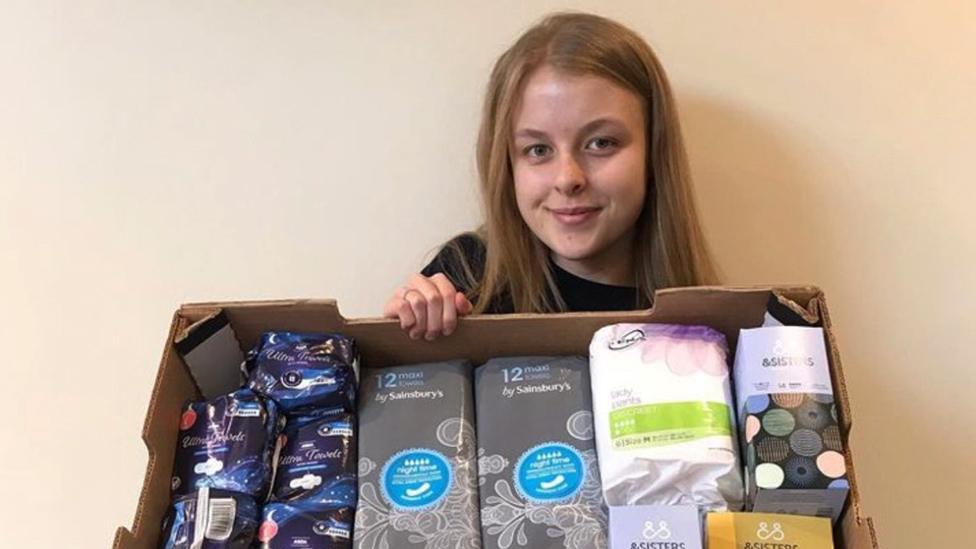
x: 604, y: 121
x: 533, y: 133
x: 587, y: 128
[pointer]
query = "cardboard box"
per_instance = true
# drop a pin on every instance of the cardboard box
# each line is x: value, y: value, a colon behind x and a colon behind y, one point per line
x: 382, y: 343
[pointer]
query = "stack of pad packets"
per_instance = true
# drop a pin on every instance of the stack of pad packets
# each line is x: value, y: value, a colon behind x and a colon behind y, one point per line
x: 495, y: 457
x: 669, y: 434
x: 272, y: 464
x: 665, y: 431
x: 654, y: 442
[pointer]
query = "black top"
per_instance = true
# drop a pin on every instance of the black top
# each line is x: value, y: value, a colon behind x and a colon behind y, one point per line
x: 579, y: 293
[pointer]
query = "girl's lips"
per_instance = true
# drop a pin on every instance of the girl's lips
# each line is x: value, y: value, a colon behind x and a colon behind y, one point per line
x: 574, y: 216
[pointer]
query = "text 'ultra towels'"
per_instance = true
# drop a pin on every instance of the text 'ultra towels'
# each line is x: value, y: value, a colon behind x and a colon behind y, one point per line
x: 226, y: 443
x: 317, y: 464
x: 305, y: 373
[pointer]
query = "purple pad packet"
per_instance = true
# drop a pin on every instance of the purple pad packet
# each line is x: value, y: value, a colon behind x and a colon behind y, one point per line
x: 305, y: 373
x: 317, y: 461
x: 226, y: 443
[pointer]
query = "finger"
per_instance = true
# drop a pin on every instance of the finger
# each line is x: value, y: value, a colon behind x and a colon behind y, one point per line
x: 392, y: 307
x: 449, y: 310
x: 462, y: 304
x: 398, y: 307
x: 405, y: 313
x: 418, y: 305
x: 435, y: 305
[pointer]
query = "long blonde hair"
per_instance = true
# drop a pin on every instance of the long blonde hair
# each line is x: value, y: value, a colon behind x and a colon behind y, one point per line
x: 669, y: 244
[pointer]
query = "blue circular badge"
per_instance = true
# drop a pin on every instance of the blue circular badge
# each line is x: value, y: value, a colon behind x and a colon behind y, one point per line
x: 291, y: 379
x: 550, y: 472
x: 415, y: 479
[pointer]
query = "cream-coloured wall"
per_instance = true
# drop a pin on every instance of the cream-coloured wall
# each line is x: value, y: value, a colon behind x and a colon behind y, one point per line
x: 153, y: 153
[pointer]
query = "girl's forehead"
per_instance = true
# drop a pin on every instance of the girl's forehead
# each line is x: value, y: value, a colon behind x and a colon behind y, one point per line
x: 555, y: 97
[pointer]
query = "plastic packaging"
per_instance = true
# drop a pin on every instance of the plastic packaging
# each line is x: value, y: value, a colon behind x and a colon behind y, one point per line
x: 226, y: 443
x: 317, y: 461
x: 663, y: 416
x: 290, y: 526
x: 303, y: 372
x: 211, y: 519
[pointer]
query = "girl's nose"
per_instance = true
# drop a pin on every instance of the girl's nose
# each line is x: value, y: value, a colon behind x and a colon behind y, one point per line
x: 570, y: 178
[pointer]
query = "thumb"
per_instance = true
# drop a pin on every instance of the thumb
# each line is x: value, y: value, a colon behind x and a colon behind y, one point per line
x: 464, y: 307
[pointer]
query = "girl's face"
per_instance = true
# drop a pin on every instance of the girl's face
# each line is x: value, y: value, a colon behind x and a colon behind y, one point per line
x: 578, y: 159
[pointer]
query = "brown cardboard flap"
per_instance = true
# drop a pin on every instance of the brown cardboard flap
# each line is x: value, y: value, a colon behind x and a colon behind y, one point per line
x: 836, y: 368
x: 123, y: 538
x: 210, y: 349
x: 482, y: 337
x: 803, y: 300
x: 844, y: 411
x: 857, y: 533
x: 173, y: 386
x: 326, y: 309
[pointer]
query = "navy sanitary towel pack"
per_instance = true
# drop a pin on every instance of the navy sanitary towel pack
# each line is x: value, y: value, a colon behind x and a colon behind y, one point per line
x: 297, y: 526
x: 305, y: 373
x: 226, y: 443
x: 211, y: 519
x: 317, y: 463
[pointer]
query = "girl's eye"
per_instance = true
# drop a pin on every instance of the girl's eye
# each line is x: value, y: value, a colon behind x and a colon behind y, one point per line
x: 601, y: 144
x: 536, y: 151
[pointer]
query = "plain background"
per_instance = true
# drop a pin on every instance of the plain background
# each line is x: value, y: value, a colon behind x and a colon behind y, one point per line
x: 153, y: 153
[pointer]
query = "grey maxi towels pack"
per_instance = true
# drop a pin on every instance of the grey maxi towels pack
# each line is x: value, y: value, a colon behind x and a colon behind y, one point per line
x: 538, y: 473
x: 418, y: 478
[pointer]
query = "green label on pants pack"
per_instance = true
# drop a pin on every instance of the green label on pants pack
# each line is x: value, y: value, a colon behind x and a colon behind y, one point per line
x: 652, y: 425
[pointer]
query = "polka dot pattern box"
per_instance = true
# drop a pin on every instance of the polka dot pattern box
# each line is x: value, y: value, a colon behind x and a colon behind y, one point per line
x: 792, y: 444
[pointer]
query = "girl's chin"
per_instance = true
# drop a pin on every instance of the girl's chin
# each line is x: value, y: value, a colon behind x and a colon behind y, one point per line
x: 573, y: 251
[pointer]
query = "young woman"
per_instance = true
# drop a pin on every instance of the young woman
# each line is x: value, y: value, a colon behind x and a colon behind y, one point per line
x: 584, y: 182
